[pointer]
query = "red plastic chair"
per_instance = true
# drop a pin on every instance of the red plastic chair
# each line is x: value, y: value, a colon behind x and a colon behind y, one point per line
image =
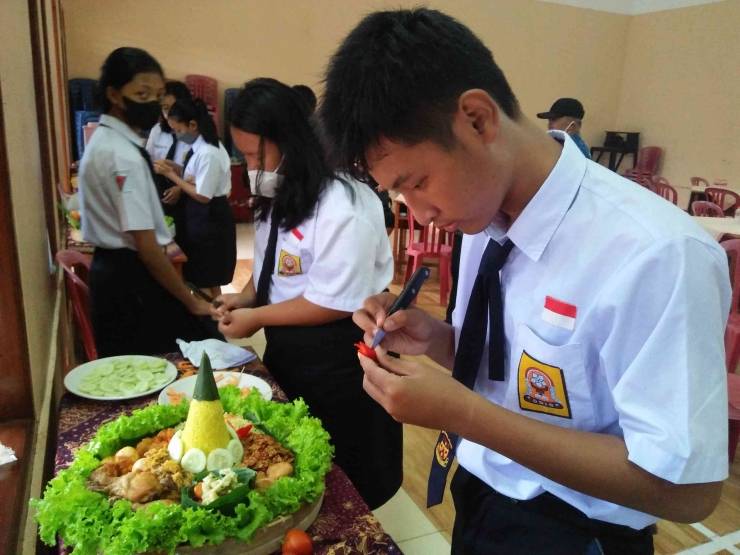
x: 699, y: 182
x: 708, y: 209
x: 648, y: 159
x: 662, y: 188
x: 732, y: 345
x: 719, y: 197
x: 76, y: 267
x: 432, y: 245
x: 205, y: 88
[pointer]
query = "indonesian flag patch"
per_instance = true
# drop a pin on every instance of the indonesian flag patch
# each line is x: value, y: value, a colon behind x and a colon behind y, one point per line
x: 294, y: 237
x: 120, y: 180
x: 559, y: 313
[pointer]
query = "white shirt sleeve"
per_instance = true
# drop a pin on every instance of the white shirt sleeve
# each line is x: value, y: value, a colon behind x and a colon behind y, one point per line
x: 136, y: 191
x: 345, y: 251
x: 209, y: 175
x: 665, y: 359
x: 151, y: 142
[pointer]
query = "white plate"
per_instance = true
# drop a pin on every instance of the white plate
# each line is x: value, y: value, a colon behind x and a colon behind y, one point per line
x: 187, y: 385
x: 73, y: 379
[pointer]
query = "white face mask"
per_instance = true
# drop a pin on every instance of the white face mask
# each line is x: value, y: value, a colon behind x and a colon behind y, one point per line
x: 268, y: 182
x: 566, y: 129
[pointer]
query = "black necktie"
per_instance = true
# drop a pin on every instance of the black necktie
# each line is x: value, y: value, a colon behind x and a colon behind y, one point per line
x: 171, y: 151
x: 188, y: 156
x: 268, y: 263
x: 485, y: 299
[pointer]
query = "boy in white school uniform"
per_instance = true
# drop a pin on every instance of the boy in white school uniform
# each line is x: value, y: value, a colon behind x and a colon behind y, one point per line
x: 589, y: 393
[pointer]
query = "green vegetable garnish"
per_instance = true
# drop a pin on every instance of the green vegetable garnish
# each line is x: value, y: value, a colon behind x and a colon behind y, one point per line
x: 85, y: 521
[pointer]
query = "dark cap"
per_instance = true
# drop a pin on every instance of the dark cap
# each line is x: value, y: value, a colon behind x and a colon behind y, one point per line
x: 563, y: 107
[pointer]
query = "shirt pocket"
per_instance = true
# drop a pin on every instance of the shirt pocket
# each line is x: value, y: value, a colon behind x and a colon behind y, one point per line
x: 549, y: 382
x: 292, y: 260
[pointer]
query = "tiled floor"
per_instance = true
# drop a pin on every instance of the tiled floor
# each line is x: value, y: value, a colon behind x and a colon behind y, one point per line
x: 422, y: 531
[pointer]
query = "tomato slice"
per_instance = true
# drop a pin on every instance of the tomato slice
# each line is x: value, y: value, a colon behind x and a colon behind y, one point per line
x: 366, y: 351
x: 244, y: 431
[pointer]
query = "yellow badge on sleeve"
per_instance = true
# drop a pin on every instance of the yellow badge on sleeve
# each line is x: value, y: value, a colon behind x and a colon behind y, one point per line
x: 290, y: 264
x: 542, y: 388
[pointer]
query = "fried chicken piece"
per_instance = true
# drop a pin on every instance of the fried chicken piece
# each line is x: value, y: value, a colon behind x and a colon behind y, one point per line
x: 138, y: 488
x: 261, y: 451
x: 144, y: 445
x: 279, y: 470
x: 102, y: 476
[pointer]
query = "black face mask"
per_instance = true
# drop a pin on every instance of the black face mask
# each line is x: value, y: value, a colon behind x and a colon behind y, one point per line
x: 144, y: 115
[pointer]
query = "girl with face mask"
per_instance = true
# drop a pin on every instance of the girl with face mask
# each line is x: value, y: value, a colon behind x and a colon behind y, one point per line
x: 138, y: 303
x: 163, y: 145
x: 320, y: 248
x: 205, y: 180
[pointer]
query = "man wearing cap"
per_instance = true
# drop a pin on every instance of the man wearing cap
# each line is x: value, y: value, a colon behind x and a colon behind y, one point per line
x: 567, y: 115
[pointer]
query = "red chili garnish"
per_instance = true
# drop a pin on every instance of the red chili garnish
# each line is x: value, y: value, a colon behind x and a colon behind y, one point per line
x: 366, y: 351
x: 244, y: 431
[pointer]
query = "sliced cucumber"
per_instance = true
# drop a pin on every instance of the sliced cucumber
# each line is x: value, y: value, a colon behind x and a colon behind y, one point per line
x: 144, y: 376
x: 232, y: 433
x: 105, y: 369
x: 236, y: 449
x: 175, y: 449
x: 194, y: 460
x: 142, y: 386
x: 220, y: 458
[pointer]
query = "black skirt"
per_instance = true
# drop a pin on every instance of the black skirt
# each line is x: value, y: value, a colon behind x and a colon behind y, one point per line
x: 132, y: 314
x: 319, y: 363
x: 209, y: 242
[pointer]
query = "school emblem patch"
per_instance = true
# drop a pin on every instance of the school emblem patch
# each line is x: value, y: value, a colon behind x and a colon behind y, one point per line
x: 542, y: 388
x: 290, y: 265
x: 120, y: 180
x: 443, y: 449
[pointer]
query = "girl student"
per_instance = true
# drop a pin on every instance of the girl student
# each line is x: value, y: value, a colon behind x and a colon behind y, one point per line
x: 138, y: 303
x: 210, y: 243
x: 320, y: 247
x: 162, y: 144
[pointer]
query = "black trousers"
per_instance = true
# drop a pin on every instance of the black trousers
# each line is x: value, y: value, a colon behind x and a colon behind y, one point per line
x: 132, y: 314
x: 319, y: 363
x: 488, y: 523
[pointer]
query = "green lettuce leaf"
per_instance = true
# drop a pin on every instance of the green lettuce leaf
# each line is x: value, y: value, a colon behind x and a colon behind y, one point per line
x: 86, y: 521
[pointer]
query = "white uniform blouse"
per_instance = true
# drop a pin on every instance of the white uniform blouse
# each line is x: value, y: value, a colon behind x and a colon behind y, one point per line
x: 158, y: 145
x: 211, y: 167
x: 335, y: 259
x: 615, y: 304
x: 117, y: 191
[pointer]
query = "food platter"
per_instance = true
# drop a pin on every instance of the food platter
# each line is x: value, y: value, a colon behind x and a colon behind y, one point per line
x: 133, y: 490
x: 118, y: 375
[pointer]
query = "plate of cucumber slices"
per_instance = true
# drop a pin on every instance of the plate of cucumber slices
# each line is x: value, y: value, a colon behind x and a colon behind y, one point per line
x: 121, y: 377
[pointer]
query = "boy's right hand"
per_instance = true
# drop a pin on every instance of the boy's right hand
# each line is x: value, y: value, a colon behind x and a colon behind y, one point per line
x: 408, y: 332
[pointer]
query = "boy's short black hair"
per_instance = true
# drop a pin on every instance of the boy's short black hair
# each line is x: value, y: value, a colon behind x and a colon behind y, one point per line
x: 399, y: 75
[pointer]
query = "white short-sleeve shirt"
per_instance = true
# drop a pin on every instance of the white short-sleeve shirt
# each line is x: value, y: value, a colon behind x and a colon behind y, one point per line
x: 335, y: 259
x: 211, y: 167
x: 158, y: 145
x: 117, y: 191
x: 615, y: 304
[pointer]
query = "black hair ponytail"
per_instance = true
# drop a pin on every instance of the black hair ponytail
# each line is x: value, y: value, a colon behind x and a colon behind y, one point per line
x: 185, y: 111
x: 119, y: 68
x: 179, y: 90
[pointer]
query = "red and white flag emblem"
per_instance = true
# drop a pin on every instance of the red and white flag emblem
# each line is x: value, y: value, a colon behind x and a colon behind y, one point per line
x: 559, y: 313
x: 120, y: 180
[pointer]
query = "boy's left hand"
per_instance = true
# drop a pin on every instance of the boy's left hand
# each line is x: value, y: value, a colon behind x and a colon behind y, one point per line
x: 415, y: 393
x: 242, y: 322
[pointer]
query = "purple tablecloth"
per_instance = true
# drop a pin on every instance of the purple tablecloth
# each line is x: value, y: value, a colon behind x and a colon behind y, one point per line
x: 344, y: 526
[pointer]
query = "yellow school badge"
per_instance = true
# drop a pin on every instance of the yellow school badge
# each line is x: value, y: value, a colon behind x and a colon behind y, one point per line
x: 290, y: 265
x: 443, y: 449
x: 542, y: 388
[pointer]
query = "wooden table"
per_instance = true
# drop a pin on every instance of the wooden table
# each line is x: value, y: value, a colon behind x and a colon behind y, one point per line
x: 718, y: 227
x: 173, y: 251
x: 344, y: 526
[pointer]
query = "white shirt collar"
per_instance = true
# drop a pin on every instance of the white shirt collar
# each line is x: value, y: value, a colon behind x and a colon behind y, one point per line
x: 121, y: 127
x: 199, y: 142
x: 537, y: 223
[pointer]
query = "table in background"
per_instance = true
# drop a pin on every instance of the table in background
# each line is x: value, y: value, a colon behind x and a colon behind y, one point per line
x: 173, y: 251
x: 719, y: 227
x: 344, y: 526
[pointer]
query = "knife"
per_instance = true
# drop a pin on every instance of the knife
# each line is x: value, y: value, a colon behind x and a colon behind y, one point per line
x: 203, y: 295
x: 404, y: 300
